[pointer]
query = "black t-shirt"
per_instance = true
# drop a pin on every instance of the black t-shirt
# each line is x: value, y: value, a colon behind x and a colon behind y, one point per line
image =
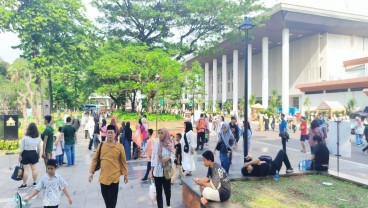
x: 234, y: 127
x: 261, y: 170
x: 178, y: 155
x: 218, y: 178
x: 322, y: 156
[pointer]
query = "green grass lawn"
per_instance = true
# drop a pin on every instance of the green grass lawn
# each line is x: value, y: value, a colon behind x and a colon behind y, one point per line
x: 298, y: 191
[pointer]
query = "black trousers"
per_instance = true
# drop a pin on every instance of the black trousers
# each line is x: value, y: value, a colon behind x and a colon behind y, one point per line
x: 280, y: 158
x: 110, y: 194
x: 159, y: 183
x: 200, y: 139
x: 283, y: 141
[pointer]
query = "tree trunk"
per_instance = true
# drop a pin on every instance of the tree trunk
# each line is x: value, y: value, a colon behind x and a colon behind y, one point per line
x: 115, y: 100
x: 133, y: 100
x: 50, y: 90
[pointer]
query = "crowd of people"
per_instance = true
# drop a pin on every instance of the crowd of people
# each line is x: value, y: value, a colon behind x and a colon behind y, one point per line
x: 169, y: 157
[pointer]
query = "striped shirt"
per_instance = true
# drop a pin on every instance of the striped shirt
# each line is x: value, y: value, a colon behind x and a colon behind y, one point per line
x: 158, y: 170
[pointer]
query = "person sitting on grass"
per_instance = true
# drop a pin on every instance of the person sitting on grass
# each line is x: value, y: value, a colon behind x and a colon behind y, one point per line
x: 258, y: 167
x: 320, y: 154
x: 216, y: 186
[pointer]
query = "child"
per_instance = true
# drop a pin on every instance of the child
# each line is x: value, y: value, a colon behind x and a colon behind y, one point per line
x: 59, y: 145
x: 149, y: 148
x: 53, y: 184
x: 177, y: 161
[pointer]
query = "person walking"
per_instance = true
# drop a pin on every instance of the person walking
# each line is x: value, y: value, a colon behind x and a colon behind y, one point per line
x: 137, y: 142
x: 113, y: 164
x: 235, y: 130
x: 90, y: 127
x: 359, y: 130
x: 60, y: 147
x: 114, y: 123
x: 103, y: 130
x: 188, y: 148
x: 144, y: 133
x: 68, y: 133
x: 178, y: 159
x: 303, y: 133
x: 122, y: 133
x: 225, y: 145
x: 48, y: 139
x: 283, y: 132
x: 201, y: 130
x: 85, y: 120
x: 364, y: 150
x: 127, y: 140
x: 53, y: 184
x: 30, y: 152
x: 149, y: 150
x: 163, y: 153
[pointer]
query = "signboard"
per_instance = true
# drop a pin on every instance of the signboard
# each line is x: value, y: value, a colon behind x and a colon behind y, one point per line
x: 11, y: 127
x: 161, y: 102
x: 344, y: 138
x: 190, y: 103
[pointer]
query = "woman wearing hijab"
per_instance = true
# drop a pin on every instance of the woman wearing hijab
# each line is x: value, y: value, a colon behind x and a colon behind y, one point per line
x: 359, y: 130
x: 127, y: 140
x: 314, y: 130
x: 103, y: 130
x: 113, y: 122
x: 122, y: 133
x: 91, y: 127
x: 137, y: 142
x: 163, y: 152
x: 225, y: 145
x: 188, y: 153
x: 144, y: 132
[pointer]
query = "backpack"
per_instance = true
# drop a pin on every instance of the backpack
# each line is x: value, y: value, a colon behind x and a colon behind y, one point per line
x: 265, y: 158
x: 201, y: 124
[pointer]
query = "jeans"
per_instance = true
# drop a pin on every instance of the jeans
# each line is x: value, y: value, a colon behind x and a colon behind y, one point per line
x: 70, y: 152
x: 200, y: 139
x: 147, y: 171
x: 60, y: 159
x: 110, y: 194
x: 166, y: 184
x: 358, y: 139
x: 280, y: 158
x: 226, y: 161
x: 96, y: 141
x: 283, y: 141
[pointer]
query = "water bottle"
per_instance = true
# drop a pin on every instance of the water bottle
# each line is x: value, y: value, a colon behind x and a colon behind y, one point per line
x: 276, y: 175
x: 304, y: 165
x: 301, y: 165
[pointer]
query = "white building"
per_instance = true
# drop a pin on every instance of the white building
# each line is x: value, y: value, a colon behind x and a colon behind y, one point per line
x: 318, y: 50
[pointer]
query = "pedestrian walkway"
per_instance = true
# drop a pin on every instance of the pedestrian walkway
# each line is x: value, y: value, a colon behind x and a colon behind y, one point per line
x: 135, y: 194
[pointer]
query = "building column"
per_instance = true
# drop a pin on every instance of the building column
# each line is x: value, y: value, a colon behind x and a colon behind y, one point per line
x: 249, y: 73
x: 183, y: 98
x: 285, y: 71
x: 265, y: 72
x: 235, y: 81
x: 207, y: 83
x: 214, y: 97
x: 224, y: 78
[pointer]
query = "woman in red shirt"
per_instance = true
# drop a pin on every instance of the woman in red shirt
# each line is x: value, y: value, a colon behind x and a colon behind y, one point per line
x: 303, y: 133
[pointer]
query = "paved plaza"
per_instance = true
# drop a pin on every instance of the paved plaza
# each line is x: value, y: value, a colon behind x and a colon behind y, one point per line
x: 135, y: 193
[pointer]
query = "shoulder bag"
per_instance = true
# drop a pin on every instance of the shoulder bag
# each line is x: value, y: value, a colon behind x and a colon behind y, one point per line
x: 167, y: 167
x: 186, y: 145
x: 98, y: 165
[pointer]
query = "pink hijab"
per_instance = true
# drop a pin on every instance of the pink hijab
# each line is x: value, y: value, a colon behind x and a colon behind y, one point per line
x: 113, y: 122
x: 137, y: 135
x: 166, y: 142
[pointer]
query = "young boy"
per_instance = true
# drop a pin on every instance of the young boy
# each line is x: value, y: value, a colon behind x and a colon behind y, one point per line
x: 53, y: 184
x: 59, y: 144
x: 149, y: 149
x: 177, y: 161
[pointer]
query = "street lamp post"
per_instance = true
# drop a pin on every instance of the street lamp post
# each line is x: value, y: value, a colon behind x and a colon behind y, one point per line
x: 157, y: 78
x: 246, y: 25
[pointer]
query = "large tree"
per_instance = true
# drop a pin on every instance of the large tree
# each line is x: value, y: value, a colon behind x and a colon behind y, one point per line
x: 52, y: 34
x: 181, y: 27
x: 123, y: 70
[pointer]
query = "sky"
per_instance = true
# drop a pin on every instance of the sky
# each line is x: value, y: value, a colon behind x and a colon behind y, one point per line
x: 7, y: 39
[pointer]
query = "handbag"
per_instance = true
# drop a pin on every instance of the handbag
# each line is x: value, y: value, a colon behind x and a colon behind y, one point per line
x: 18, y: 173
x: 168, y: 170
x: 152, y: 191
x: 98, y: 165
x: 186, y: 145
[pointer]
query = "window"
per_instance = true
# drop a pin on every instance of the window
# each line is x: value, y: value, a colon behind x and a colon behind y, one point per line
x: 314, y: 92
x: 356, y: 89
x: 336, y: 91
x: 228, y: 87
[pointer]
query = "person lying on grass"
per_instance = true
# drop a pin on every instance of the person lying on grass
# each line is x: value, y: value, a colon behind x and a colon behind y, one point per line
x: 258, y: 167
x: 216, y: 186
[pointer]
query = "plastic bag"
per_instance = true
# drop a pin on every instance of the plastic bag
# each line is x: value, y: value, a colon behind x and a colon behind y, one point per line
x: 152, y: 191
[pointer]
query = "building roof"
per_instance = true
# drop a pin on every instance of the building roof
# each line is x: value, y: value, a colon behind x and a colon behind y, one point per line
x: 331, y: 105
x: 302, y: 21
x: 355, y: 62
x: 334, y: 85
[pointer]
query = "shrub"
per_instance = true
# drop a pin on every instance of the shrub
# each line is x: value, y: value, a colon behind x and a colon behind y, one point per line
x: 9, y: 145
x: 129, y: 116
